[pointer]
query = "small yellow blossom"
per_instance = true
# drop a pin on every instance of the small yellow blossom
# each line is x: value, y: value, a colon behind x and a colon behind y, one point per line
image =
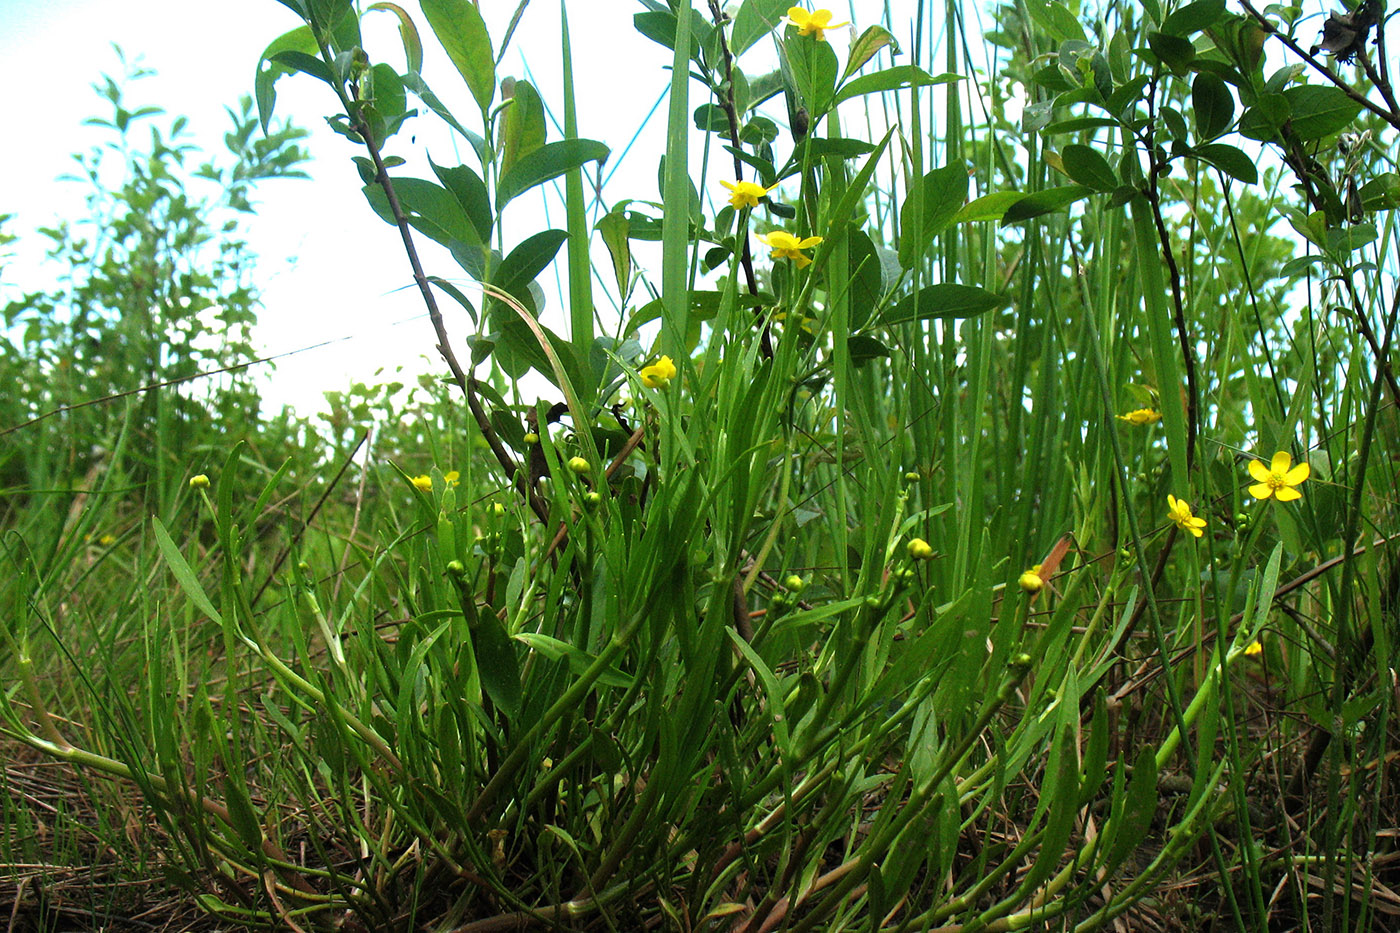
x: 659, y: 374
x: 1277, y: 479
x: 578, y: 465
x: 1180, y: 513
x: 107, y: 540
x: 199, y: 481
x: 812, y: 24
x: 424, y: 482
x: 1031, y: 581
x: 787, y: 246
x: 1254, y: 648
x: 919, y: 549
x: 744, y: 194
x: 451, y: 477
x: 1141, y: 416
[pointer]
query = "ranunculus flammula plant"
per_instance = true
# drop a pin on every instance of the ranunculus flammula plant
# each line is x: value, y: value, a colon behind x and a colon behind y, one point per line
x: 1279, y: 479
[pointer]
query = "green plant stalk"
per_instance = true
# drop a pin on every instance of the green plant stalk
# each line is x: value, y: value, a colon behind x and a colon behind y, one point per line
x: 919, y: 798
x: 580, y: 284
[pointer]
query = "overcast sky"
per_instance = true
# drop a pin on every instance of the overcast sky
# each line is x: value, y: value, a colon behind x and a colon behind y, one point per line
x: 327, y: 267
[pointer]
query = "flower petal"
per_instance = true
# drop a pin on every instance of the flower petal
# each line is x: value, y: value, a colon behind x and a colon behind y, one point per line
x: 1296, y: 475
x: 1192, y: 529
x: 1287, y: 494
x: 1261, y: 490
x: 1256, y: 467
x: 809, y: 242
x: 1281, y: 462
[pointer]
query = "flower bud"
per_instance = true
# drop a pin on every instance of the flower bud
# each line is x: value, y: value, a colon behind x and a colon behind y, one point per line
x: 578, y: 465
x: 199, y: 481
x: 1031, y: 582
x: 919, y: 549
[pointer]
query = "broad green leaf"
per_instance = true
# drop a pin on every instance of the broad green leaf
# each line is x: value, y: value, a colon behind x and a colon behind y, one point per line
x: 416, y: 84
x: 1319, y: 110
x: 526, y: 262
x: 1139, y: 806
x: 470, y: 193
x: 613, y: 228
x: 1056, y: 19
x: 293, y: 60
x: 988, y: 207
x: 300, y: 39
x: 522, y: 123
x: 929, y: 208
x: 813, y: 66
x: 579, y: 661
x: 891, y: 79
x: 1088, y: 167
x: 867, y: 286
x: 755, y: 19
x: 497, y: 664
x: 1263, y: 120
x: 184, y: 575
x: 430, y: 208
x: 1046, y: 201
x: 1173, y: 51
x: 548, y: 161
x: 241, y: 813
x: 408, y: 33
x: 1229, y: 160
x: 943, y: 301
x: 1077, y: 125
x: 866, y: 45
x: 1194, y: 17
x: 863, y: 348
x: 459, y: 27
x: 1214, y: 105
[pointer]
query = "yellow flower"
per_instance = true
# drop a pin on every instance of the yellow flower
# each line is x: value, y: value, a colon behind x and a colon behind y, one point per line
x: 1141, y: 416
x: 1254, y: 648
x: 199, y: 481
x: 787, y: 246
x: 451, y: 477
x: 1180, y: 513
x: 423, y: 482
x: 1031, y: 581
x: 812, y: 24
x: 107, y: 540
x: 659, y: 374
x: 919, y: 549
x: 745, y: 193
x: 1277, y: 479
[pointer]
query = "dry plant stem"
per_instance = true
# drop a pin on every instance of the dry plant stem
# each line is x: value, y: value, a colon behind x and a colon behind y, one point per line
x: 1183, y: 334
x: 731, y: 112
x: 444, y: 345
x: 1389, y: 116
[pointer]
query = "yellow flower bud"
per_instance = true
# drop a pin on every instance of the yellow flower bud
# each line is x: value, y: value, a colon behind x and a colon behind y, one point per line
x: 1031, y: 582
x: 578, y: 465
x: 199, y: 481
x: 919, y: 549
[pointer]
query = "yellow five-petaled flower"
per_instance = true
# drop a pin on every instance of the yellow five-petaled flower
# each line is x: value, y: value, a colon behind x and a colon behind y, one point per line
x: 1180, y: 513
x: 812, y: 24
x: 659, y: 374
x: 423, y: 482
x: 744, y: 194
x: 1279, y: 478
x: 1141, y: 416
x: 787, y: 246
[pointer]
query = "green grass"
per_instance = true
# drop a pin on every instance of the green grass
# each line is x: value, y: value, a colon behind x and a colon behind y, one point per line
x: 668, y: 659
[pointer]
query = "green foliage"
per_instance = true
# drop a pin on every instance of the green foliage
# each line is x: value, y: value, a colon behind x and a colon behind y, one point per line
x: 854, y: 599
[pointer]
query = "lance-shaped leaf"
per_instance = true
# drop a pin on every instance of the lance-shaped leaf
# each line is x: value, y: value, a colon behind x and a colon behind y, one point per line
x: 462, y: 32
x: 929, y: 208
x: 546, y: 162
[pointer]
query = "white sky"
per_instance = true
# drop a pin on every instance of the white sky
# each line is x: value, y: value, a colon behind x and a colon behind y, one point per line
x: 327, y: 267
